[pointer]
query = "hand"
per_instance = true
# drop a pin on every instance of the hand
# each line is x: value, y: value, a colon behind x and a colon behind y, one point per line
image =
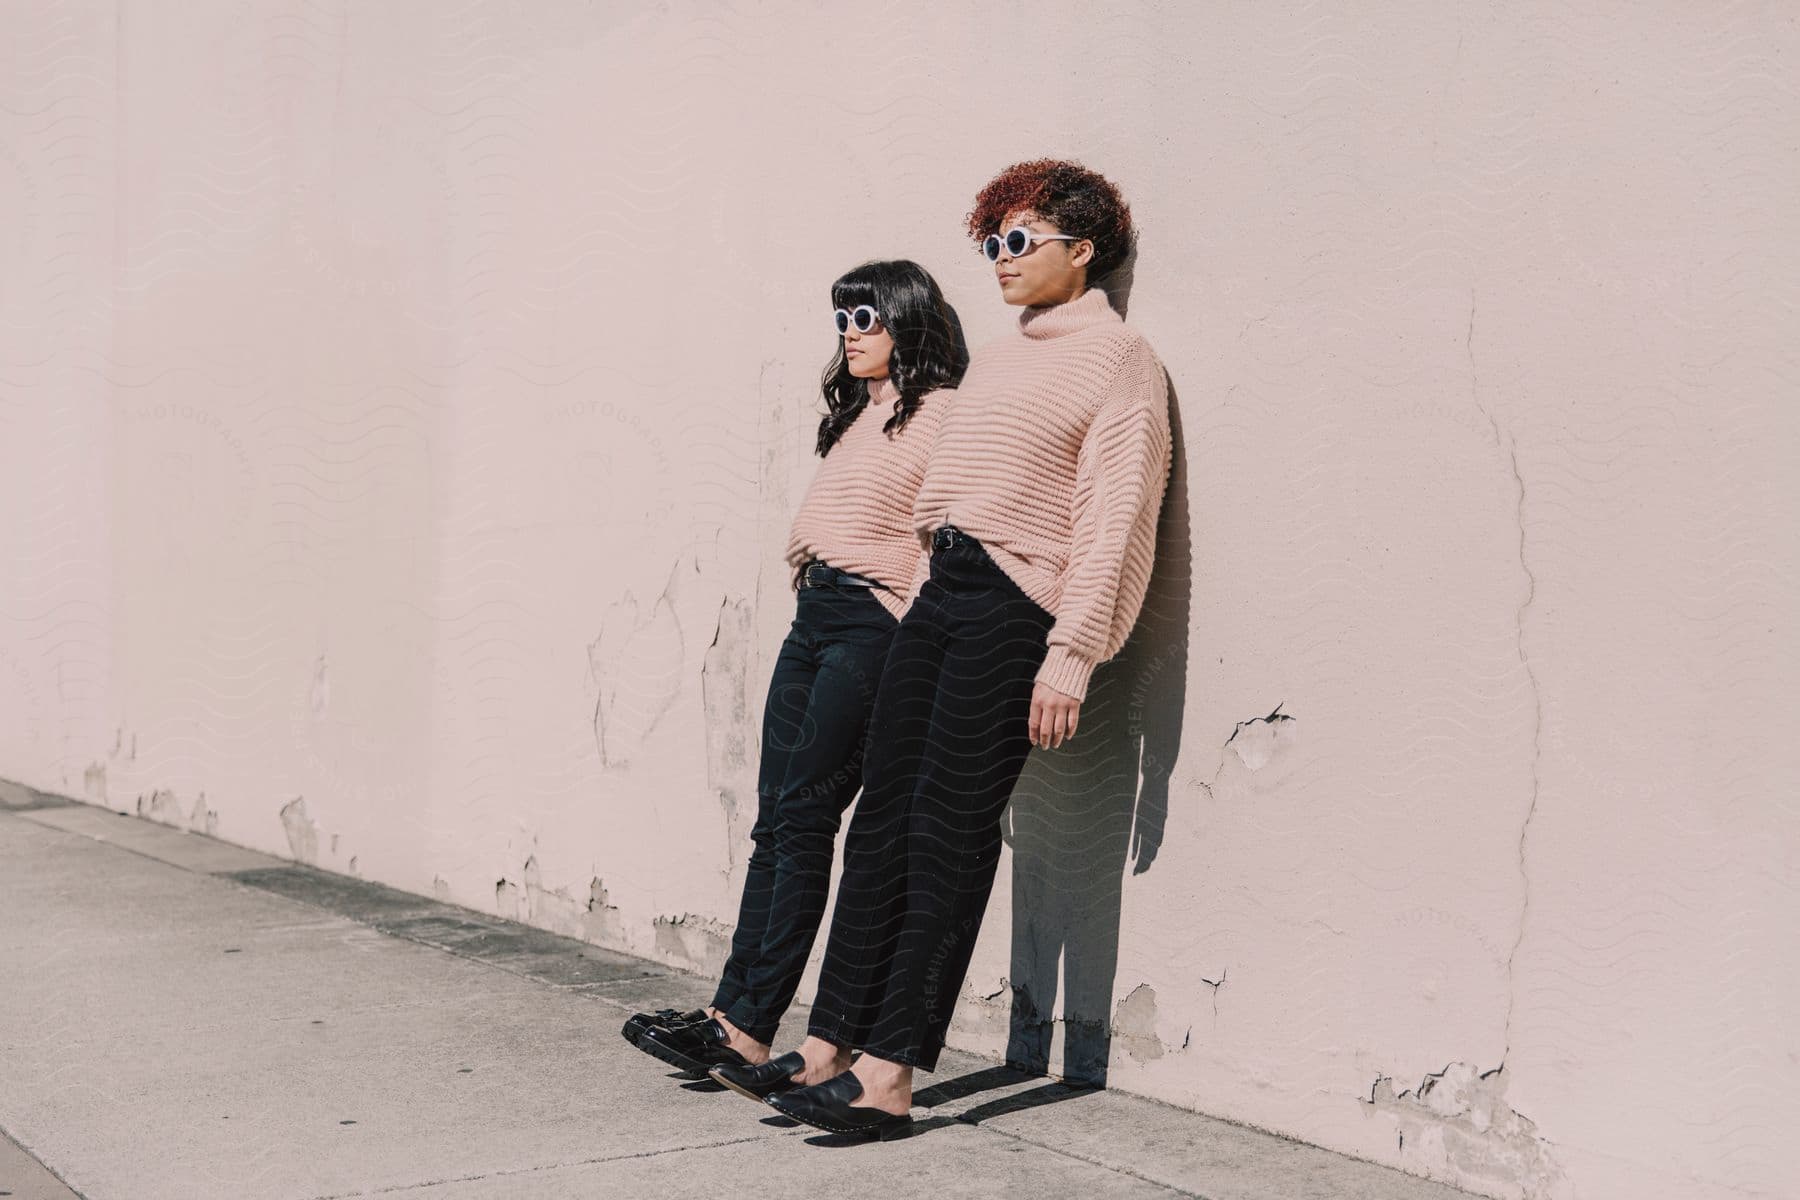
x: 1053, y: 716
x: 1143, y: 848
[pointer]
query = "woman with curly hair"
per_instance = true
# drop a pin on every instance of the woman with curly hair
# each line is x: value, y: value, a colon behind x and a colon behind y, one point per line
x: 1040, y: 504
x: 855, y: 556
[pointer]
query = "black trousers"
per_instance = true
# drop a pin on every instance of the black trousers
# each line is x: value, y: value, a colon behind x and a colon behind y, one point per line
x: 820, y: 695
x: 947, y: 741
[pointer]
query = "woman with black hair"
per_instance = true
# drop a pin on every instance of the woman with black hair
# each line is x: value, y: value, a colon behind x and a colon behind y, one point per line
x: 855, y: 558
x: 1040, y: 503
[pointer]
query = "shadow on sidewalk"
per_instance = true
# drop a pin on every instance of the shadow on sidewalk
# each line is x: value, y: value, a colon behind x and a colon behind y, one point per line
x: 963, y: 1086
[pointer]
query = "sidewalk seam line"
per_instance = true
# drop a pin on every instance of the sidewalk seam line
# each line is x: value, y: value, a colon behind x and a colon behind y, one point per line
x: 25, y: 815
x: 1105, y: 1166
x: 507, y: 1172
x: 48, y: 1169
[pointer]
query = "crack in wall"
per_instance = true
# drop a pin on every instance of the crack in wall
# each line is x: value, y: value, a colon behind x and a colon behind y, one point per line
x: 1537, y: 697
x: 1537, y: 746
x: 1475, y: 375
x: 1215, y: 985
x: 1274, y: 717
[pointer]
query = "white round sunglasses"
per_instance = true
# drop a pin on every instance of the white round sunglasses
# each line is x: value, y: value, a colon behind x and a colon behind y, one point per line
x: 863, y: 316
x: 1017, y: 240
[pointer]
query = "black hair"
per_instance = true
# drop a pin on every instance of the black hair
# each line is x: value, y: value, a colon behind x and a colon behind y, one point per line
x: 929, y: 350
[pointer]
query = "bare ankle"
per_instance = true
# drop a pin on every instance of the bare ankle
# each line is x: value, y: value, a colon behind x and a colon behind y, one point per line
x: 885, y: 1084
x: 753, y: 1051
x: 823, y: 1060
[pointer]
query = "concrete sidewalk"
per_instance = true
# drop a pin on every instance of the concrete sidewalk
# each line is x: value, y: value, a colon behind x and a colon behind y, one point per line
x: 182, y: 1018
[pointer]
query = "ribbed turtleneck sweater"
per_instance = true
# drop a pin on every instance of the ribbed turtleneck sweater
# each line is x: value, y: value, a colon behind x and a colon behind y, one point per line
x: 1055, y: 457
x: 857, y: 513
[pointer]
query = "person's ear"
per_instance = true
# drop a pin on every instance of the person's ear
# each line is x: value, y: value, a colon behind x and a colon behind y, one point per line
x: 1082, y: 253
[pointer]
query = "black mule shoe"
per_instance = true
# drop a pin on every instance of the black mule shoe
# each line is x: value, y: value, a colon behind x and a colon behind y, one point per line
x: 636, y: 1023
x: 763, y: 1080
x: 827, y: 1106
x: 696, y: 1048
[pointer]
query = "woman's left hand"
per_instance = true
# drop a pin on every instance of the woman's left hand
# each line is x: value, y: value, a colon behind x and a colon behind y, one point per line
x: 1053, y: 716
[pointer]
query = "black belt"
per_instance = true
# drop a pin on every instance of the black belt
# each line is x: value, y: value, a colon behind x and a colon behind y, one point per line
x: 822, y: 574
x: 946, y: 536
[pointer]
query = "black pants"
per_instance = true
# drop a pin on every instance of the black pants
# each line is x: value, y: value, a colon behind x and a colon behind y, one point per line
x: 820, y: 695
x: 947, y: 741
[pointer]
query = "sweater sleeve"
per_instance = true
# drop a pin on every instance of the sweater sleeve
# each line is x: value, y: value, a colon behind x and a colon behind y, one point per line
x: 1120, y: 476
x: 936, y: 402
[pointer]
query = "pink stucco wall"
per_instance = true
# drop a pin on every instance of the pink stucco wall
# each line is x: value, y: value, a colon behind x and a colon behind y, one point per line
x: 402, y: 404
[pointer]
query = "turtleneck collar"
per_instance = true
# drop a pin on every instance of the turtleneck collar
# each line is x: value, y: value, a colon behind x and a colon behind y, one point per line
x: 1055, y: 320
x: 883, y: 392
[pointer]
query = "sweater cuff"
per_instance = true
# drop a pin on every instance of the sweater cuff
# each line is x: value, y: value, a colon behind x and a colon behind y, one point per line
x: 1066, y: 671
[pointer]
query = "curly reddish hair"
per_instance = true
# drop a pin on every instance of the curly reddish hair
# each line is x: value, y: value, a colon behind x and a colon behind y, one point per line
x: 1077, y: 201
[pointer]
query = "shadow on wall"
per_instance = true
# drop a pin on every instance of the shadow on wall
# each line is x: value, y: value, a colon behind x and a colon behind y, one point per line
x: 1079, y: 815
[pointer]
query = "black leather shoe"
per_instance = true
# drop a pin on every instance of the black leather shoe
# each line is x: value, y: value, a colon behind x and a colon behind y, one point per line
x: 636, y: 1023
x: 765, y: 1079
x: 827, y: 1106
x: 696, y: 1048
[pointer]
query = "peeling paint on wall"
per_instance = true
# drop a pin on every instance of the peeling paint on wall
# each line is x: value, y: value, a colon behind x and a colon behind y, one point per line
x: 550, y: 908
x: 698, y: 943
x: 636, y: 664
x: 509, y: 899
x: 1134, y: 1024
x: 164, y: 807
x: 730, y: 742
x: 1257, y: 740
x: 203, y: 819
x: 601, y: 924
x: 302, y: 831
x: 1457, y: 1127
x: 161, y: 806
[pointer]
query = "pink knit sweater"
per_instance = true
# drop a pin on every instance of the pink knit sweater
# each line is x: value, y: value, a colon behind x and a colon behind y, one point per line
x: 857, y: 514
x: 1055, y: 457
